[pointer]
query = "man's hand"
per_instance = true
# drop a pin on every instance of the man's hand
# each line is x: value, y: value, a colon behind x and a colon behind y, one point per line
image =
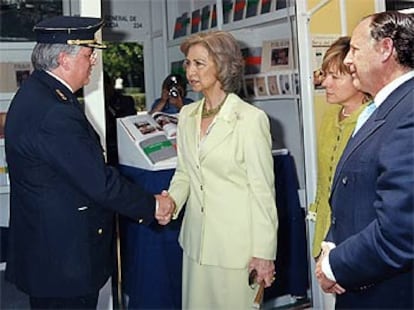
x: 327, y: 285
x: 165, y: 208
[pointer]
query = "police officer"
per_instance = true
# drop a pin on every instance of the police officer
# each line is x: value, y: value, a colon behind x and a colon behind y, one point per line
x: 63, y: 196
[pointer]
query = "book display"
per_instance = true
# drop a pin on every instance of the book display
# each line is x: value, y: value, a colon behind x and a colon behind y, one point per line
x: 181, y: 26
x: 239, y: 7
x: 252, y: 8
x: 270, y: 71
x: 148, y: 141
x: 214, y: 16
x: 227, y: 11
x: 195, y: 21
x: 281, y: 4
x: 265, y: 6
x: 205, y: 17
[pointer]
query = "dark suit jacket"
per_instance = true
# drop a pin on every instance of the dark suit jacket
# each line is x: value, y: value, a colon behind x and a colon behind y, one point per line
x: 62, y: 194
x: 373, y: 209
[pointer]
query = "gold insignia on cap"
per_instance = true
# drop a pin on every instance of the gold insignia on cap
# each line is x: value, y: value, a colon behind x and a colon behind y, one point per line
x: 61, y: 94
x: 88, y: 43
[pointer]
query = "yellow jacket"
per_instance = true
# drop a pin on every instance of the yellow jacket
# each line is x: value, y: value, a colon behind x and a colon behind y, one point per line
x: 332, y: 138
x: 227, y: 184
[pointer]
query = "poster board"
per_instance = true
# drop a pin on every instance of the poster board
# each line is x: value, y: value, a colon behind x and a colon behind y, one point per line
x: 320, y: 44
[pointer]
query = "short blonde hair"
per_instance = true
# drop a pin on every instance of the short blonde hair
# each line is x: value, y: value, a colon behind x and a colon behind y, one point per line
x: 226, y: 54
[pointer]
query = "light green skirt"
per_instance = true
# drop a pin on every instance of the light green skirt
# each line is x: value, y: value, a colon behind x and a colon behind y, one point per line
x: 215, y: 288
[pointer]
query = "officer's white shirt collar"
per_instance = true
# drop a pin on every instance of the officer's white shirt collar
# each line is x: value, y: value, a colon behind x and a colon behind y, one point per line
x: 60, y: 80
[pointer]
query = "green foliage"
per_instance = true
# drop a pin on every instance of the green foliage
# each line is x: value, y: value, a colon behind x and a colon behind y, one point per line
x: 125, y: 60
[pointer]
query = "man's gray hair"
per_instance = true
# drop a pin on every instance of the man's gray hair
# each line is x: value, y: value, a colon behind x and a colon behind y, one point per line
x: 45, y: 55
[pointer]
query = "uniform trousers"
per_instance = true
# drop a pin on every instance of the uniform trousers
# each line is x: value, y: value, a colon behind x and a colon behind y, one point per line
x: 214, y: 287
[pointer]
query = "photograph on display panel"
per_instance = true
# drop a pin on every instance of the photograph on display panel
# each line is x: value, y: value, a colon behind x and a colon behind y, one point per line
x: 273, y: 85
x: 260, y: 86
x: 285, y: 84
x: 276, y: 55
x: 249, y: 87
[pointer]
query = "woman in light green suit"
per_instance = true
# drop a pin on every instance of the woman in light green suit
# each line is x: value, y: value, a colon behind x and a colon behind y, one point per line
x: 225, y: 177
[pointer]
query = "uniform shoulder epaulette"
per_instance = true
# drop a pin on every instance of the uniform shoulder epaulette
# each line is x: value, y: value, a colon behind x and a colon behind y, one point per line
x: 61, y: 95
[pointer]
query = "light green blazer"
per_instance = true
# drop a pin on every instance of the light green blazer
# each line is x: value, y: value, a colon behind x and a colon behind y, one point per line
x: 227, y: 183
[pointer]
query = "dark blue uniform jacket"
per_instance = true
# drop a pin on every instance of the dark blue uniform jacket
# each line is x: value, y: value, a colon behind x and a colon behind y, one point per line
x: 63, y: 196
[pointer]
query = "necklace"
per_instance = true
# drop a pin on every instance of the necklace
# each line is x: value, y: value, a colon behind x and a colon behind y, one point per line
x: 344, y: 114
x: 209, y: 113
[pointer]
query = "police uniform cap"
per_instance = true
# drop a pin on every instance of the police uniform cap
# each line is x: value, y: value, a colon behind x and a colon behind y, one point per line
x: 72, y: 30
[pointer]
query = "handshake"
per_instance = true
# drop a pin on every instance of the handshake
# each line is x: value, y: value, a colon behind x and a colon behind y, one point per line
x: 165, y: 208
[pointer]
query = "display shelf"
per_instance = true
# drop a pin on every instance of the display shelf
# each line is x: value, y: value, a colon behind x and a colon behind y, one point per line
x: 261, y: 20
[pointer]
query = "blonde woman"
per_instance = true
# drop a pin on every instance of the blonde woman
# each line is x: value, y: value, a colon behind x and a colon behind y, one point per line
x: 225, y: 177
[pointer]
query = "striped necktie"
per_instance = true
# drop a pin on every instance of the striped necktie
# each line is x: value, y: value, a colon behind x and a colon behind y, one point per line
x: 363, y: 117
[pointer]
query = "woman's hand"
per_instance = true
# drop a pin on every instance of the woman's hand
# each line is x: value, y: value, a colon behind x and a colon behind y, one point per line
x: 265, y: 270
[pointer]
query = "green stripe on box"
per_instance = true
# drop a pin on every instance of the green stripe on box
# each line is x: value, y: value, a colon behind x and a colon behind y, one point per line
x: 157, y: 146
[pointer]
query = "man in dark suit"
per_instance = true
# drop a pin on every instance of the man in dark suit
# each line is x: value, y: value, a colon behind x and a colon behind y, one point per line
x: 369, y: 254
x: 63, y: 196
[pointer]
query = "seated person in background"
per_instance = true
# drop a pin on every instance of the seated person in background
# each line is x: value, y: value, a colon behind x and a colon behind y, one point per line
x: 116, y: 105
x: 172, y: 95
